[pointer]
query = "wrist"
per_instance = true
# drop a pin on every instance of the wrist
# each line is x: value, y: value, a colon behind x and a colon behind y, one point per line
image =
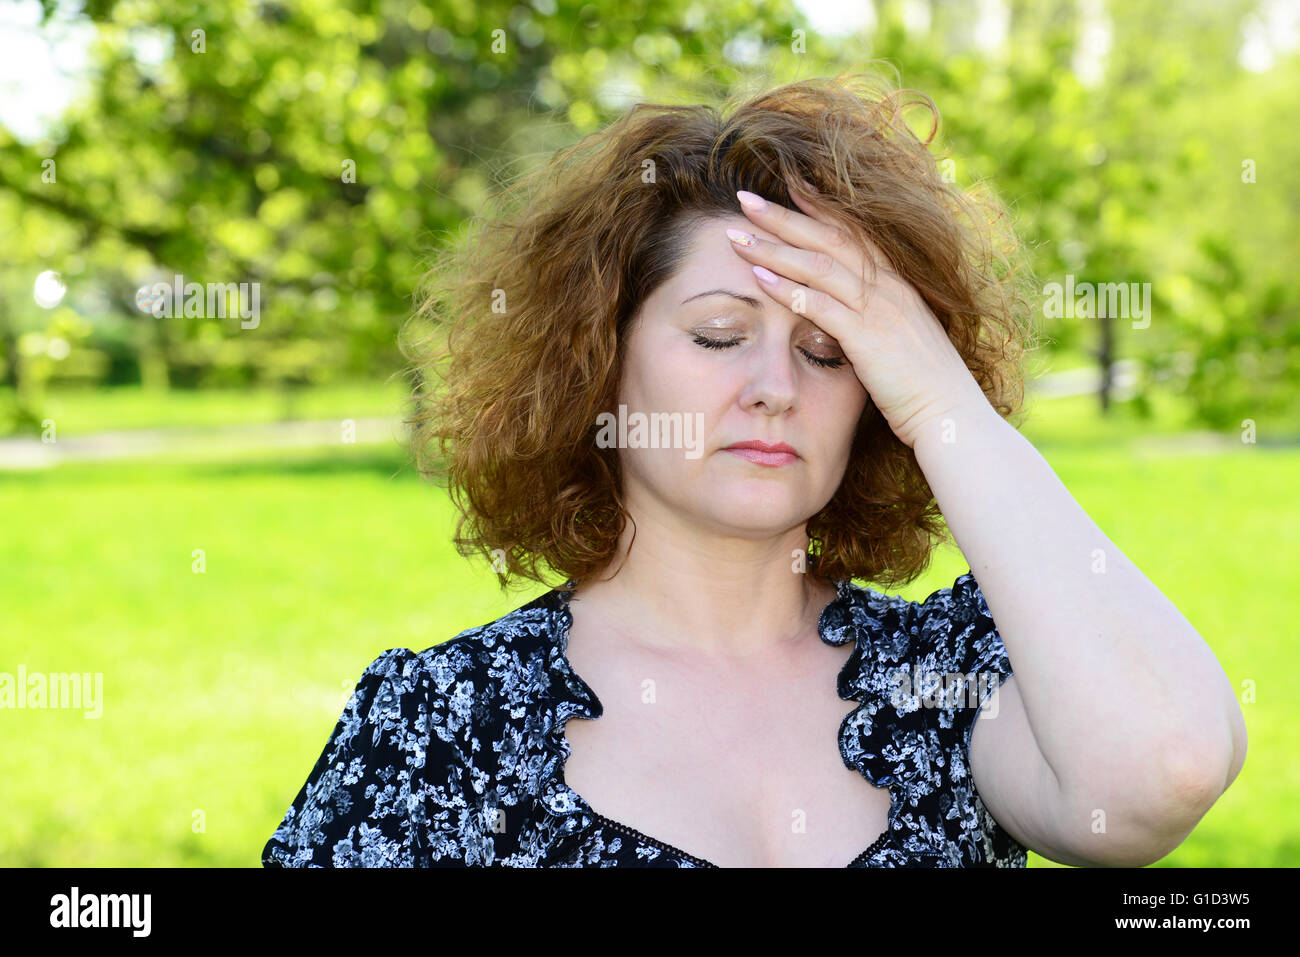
x: 957, y: 426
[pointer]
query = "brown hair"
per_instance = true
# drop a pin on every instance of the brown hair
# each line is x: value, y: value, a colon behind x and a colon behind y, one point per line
x: 526, y: 316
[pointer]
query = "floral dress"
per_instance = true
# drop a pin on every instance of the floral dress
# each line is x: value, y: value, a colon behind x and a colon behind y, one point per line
x: 454, y: 756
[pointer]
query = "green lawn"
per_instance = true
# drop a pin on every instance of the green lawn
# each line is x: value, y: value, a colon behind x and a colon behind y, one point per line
x: 221, y: 688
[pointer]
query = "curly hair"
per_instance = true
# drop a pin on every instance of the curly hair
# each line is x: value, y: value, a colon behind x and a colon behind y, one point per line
x: 523, y: 321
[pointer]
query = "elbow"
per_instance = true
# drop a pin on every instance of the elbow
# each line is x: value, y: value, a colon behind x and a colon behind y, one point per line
x: 1191, y: 783
x: 1194, y: 780
x: 1196, y: 775
x: 1187, y: 786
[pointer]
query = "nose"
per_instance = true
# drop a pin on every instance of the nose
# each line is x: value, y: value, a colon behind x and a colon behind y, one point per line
x: 772, y: 378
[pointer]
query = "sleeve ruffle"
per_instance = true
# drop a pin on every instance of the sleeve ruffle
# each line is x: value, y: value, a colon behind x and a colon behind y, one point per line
x: 362, y: 803
x: 964, y: 659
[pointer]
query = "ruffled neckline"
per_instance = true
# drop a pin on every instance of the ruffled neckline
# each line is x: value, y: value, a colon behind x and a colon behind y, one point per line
x: 565, y: 817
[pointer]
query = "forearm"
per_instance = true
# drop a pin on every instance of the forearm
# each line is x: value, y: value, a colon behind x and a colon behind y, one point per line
x: 1128, y: 705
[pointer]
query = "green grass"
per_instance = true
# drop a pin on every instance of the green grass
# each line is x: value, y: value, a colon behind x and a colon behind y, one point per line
x: 221, y: 688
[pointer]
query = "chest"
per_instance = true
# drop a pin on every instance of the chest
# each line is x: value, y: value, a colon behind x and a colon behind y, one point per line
x: 737, y: 768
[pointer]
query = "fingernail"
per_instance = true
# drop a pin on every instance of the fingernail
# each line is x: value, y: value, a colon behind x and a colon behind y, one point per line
x: 741, y: 239
x: 765, y: 275
x: 751, y: 201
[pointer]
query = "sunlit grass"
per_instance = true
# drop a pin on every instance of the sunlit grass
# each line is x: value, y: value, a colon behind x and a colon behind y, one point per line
x: 221, y: 688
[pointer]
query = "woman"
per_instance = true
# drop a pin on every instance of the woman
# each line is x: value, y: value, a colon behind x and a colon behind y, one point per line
x: 825, y: 338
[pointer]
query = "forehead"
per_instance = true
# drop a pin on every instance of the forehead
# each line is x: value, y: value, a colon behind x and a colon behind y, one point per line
x: 709, y: 256
x: 711, y: 264
x: 709, y: 235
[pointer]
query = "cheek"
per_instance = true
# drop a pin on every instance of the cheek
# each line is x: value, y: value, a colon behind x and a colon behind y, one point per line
x: 660, y: 366
x: 842, y: 400
x: 839, y: 411
x: 681, y: 380
x: 852, y: 402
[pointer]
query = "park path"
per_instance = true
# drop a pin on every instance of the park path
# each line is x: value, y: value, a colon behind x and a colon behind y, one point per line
x: 198, y: 441
x: 227, y: 441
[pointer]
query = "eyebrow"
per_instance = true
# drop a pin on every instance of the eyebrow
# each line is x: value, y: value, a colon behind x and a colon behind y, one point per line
x: 747, y: 300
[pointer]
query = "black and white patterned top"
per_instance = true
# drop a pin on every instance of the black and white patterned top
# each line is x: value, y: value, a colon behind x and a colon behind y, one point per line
x: 454, y: 756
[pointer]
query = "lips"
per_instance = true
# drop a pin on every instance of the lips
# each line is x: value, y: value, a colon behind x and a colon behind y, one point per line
x: 764, y: 453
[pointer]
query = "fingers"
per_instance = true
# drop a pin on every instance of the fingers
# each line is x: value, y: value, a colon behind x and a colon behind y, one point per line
x: 819, y: 271
x: 824, y: 311
x: 802, y: 230
x: 834, y: 239
x: 803, y: 193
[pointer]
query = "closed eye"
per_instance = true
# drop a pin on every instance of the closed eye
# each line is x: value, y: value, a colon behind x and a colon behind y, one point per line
x: 816, y: 360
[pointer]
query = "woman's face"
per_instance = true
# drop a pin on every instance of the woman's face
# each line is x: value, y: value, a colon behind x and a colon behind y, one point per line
x: 767, y: 386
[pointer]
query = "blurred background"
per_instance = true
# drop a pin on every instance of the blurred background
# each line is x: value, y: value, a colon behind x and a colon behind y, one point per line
x: 212, y: 509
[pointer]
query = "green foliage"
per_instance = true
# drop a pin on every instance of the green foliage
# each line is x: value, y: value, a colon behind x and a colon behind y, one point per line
x: 324, y: 150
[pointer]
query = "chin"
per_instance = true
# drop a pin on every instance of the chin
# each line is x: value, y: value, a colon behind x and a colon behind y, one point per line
x: 754, y: 510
